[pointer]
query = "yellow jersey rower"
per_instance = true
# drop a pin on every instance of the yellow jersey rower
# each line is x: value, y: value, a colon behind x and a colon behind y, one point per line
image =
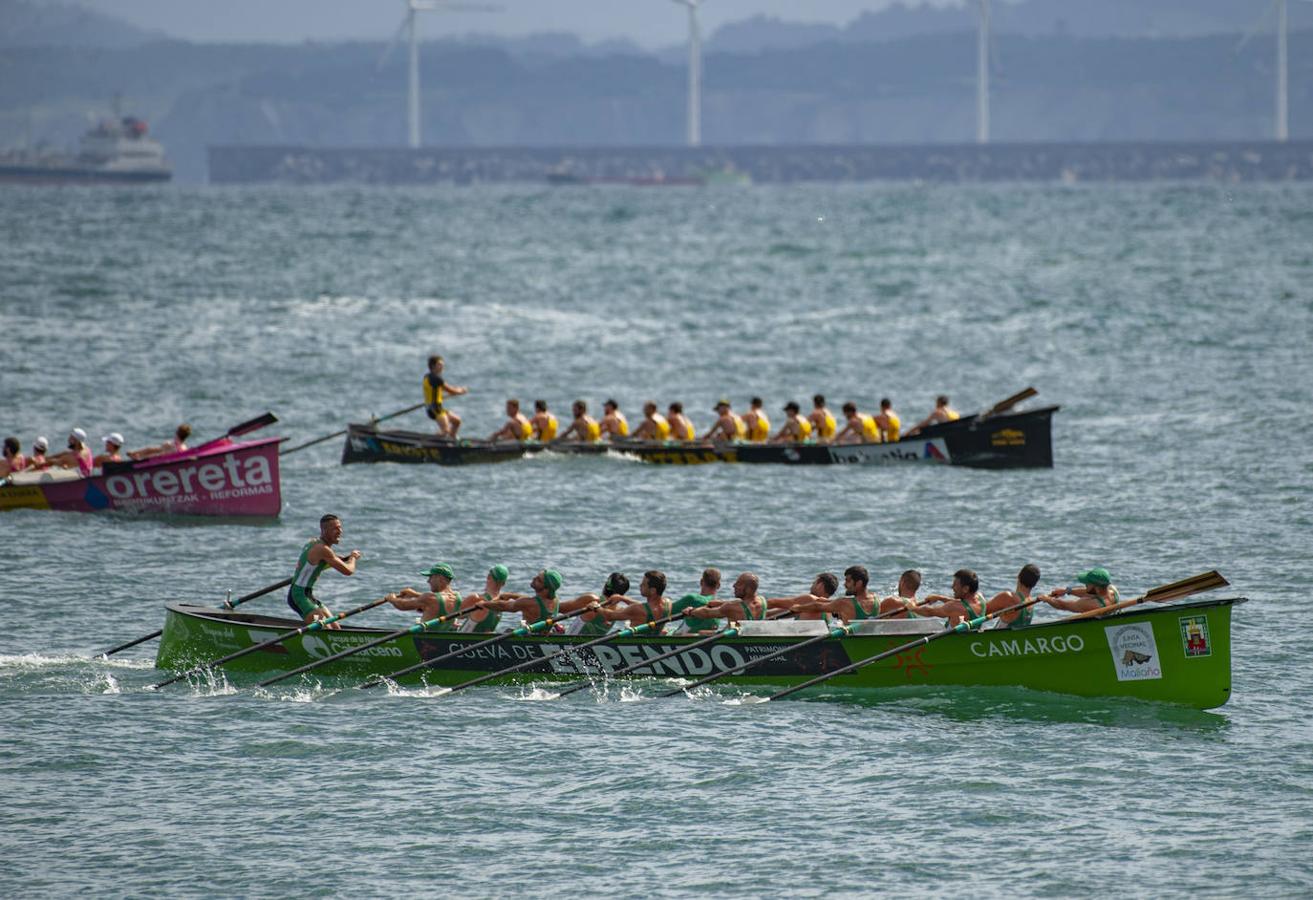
x: 729, y: 426
x: 543, y: 422
x: 435, y: 390
x: 517, y: 427
x: 861, y: 427
x: 795, y: 429
x: 613, y: 424
x: 584, y: 427
x: 757, y: 421
x: 940, y: 414
x: 681, y: 429
x: 654, y: 426
x: 822, y: 420
x: 888, y: 422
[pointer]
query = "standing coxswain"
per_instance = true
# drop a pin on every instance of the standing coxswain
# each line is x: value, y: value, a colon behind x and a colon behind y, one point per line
x: 517, y: 427
x: 436, y: 390
x: 441, y: 599
x: 316, y: 556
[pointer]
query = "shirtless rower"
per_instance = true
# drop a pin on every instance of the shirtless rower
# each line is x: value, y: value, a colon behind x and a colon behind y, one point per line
x: 757, y: 421
x: 857, y: 603
x: 888, y: 422
x: 1097, y: 592
x: 517, y: 427
x: 653, y: 607
x: 436, y: 389
x: 708, y: 584
x: 113, y: 449
x: 822, y: 589
x: 728, y: 426
x: 941, y: 413
x: 441, y: 599
x: 544, y: 422
x: 654, y: 426
x: 746, y: 605
x: 479, y: 620
x: 14, y: 460
x: 681, y: 429
x: 542, y: 604
x: 966, y: 603
x: 78, y: 454
x: 903, y: 604
x: 795, y: 429
x: 593, y: 624
x: 861, y: 427
x: 613, y: 424
x: 317, y: 555
x: 1027, y: 578
x: 177, y: 445
x: 584, y: 427
x: 822, y: 420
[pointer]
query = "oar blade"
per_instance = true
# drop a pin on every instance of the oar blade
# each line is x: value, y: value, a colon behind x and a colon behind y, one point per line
x: 1005, y: 405
x: 252, y: 424
x: 1198, y: 584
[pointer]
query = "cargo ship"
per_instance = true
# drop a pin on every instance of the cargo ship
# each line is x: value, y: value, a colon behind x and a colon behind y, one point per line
x: 116, y: 150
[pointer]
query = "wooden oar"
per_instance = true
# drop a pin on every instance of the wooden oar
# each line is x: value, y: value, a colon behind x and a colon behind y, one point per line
x: 329, y: 437
x: 350, y: 651
x: 1196, y: 585
x: 278, y: 639
x: 1005, y: 405
x: 1171, y: 591
x: 837, y: 631
x: 507, y: 635
x: 230, y: 604
x: 729, y: 631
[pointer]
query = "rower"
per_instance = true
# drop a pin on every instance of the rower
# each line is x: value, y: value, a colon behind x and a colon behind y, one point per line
x: 478, y: 619
x: 37, y: 458
x: 441, y: 599
x: 435, y: 390
x: 544, y: 423
x: 681, y: 429
x: 822, y: 420
x: 77, y: 455
x: 708, y: 584
x: 654, y: 606
x: 940, y: 414
x: 517, y: 427
x: 857, y: 603
x: 613, y: 424
x: 821, y: 590
x: 113, y: 450
x: 593, y: 624
x: 14, y: 460
x: 861, y: 427
x: 888, y: 422
x: 795, y: 429
x: 747, y: 605
x: 654, y: 427
x: 1027, y: 578
x: 584, y: 427
x: 729, y: 427
x: 540, y: 605
x: 903, y: 604
x: 1097, y: 592
x: 177, y: 445
x: 316, y: 555
x: 966, y: 603
x: 757, y: 421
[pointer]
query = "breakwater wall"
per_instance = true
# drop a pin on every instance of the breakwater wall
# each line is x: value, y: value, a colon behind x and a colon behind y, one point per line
x: 1069, y: 162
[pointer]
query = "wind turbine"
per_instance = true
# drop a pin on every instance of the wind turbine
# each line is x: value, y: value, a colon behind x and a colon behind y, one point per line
x: 694, y: 73
x: 409, y: 27
x: 982, y: 76
x: 1282, y: 129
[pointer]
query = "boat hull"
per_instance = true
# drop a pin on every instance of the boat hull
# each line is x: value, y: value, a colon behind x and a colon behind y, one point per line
x: 1019, y: 440
x: 1176, y: 654
x: 239, y: 479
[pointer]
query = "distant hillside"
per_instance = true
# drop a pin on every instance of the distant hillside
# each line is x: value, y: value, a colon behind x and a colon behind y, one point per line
x: 27, y: 24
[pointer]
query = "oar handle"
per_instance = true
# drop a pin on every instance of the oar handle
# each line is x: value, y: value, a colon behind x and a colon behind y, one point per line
x: 329, y: 437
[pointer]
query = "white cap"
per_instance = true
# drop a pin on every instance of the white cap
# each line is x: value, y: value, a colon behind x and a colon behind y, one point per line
x: 79, y: 434
x: 113, y: 438
x: 41, y: 443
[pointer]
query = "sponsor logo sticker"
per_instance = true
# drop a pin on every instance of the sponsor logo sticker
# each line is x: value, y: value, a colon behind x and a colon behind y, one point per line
x: 1134, y: 652
x: 1194, y: 636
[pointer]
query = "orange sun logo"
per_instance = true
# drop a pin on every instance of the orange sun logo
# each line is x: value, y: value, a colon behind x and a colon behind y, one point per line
x: 911, y: 661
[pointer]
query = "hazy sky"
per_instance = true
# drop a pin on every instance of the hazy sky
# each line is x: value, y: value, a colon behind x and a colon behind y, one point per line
x: 647, y: 22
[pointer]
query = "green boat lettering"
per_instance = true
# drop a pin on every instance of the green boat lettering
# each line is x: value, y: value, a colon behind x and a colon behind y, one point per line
x: 1024, y: 646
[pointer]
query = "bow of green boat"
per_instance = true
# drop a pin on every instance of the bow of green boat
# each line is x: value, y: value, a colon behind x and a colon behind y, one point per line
x: 1178, y: 653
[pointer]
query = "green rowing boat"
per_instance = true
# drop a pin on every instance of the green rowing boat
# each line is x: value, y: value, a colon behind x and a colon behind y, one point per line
x: 1177, y: 653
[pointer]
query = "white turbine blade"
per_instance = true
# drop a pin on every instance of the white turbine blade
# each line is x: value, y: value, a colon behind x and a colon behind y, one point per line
x: 387, y: 51
x: 469, y: 7
x: 1257, y: 26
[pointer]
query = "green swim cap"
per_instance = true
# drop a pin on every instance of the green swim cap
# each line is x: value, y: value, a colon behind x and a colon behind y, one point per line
x: 499, y: 573
x: 552, y: 579
x: 1097, y: 576
x: 439, y: 569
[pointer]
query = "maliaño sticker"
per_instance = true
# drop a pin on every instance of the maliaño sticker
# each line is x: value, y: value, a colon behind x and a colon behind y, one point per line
x: 1134, y: 653
x: 1194, y: 636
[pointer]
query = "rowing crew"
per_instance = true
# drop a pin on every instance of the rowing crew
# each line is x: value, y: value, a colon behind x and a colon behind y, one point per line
x: 701, y: 611
x: 79, y: 454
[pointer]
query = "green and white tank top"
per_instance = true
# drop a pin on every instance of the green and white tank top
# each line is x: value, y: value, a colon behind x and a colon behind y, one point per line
x: 305, y: 576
